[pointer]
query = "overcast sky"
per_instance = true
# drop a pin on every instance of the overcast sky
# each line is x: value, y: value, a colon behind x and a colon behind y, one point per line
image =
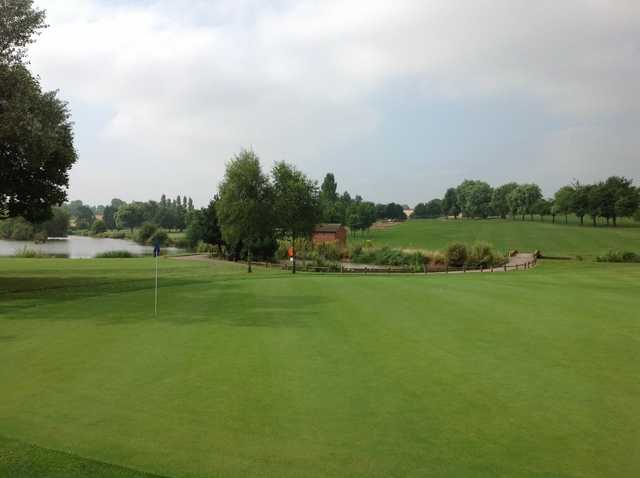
x: 400, y: 99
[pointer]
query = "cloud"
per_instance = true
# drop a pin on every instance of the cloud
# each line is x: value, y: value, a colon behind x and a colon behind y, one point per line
x: 163, y: 92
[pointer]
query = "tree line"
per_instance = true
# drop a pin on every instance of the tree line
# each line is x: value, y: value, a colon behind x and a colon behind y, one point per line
x: 610, y: 199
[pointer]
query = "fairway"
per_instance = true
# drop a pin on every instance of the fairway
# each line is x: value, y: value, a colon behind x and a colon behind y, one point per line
x: 552, y: 239
x: 522, y: 374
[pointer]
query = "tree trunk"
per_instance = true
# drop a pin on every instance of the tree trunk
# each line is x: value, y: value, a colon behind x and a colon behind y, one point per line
x: 249, y: 259
x: 615, y: 221
x: 523, y: 217
x: 553, y: 219
x: 582, y: 220
x: 594, y: 221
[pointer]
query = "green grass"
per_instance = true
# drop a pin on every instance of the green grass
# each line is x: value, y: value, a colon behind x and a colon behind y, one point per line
x: 551, y: 239
x: 522, y: 374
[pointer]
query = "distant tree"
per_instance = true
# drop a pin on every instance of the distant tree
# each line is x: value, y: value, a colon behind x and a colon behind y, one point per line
x: 499, y: 201
x: 563, y: 201
x: 116, y: 203
x: 163, y: 201
x: 329, y: 200
x: 245, y: 205
x: 211, y: 225
x: 20, y: 23
x: 129, y: 216
x: 450, y: 205
x: 190, y: 205
x: 58, y: 224
x: 84, y: 217
x: 98, y: 227
x: 296, y: 203
x: 595, y: 200
x: 109, y: 217
x: 618, y: 193
x: 543, y: 208
x: 474, y: 198
x: 430, y: 210
x: 523, y: 199
x: 580, y: 201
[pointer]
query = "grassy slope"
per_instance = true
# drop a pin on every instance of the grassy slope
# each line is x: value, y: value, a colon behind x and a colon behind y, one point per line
x: 521, y: 374
x: 551, y: 239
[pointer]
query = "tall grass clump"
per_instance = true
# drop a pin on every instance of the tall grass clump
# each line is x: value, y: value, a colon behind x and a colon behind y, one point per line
x: 29, y: 253
x: 115, y: 255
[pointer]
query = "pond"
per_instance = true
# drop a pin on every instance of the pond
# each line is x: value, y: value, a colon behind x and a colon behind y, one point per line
x: 78, y: 247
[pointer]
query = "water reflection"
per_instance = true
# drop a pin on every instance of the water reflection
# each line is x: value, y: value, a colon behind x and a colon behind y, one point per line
x: 78, y: 247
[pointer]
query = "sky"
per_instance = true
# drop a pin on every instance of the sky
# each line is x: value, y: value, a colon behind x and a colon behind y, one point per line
x: 399, y: 99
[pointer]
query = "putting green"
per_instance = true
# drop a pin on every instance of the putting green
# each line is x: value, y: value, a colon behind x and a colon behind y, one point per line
x: 521, y: 374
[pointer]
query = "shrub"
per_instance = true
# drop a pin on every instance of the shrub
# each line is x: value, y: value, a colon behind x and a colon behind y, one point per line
x: 435, y: 258
x: 457, y: 254
x: 40, y: 237
x: 160, y: 237
x: 330, y: 251
x: 114, y: 255
x: 619, y: 256
x: 145, y: 232
x: 98, y: 227
x: 481, y: 254
x: 22, y: 230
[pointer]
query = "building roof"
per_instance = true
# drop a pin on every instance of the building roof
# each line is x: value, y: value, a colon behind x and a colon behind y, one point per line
x: 327, y: 228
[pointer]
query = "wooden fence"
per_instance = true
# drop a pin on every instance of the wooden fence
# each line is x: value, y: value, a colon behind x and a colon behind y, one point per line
x: 427, y: 269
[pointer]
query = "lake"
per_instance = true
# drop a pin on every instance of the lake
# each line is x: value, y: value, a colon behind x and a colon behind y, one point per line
x: 78, y: 247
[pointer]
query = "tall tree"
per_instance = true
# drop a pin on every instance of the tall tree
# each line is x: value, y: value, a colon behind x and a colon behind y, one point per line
x: 296, y: 203
x: 20, y: 23
x: 450, y: 205
x: 563, y: 201
x: 245, y: 205
x: 499, y: 202
x: 580, y: 202
x: 36, y: 137
x: 109, y: 217
x: 474, y: 198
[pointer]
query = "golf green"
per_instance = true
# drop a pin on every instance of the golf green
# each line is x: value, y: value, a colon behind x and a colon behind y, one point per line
x: 520, y: 374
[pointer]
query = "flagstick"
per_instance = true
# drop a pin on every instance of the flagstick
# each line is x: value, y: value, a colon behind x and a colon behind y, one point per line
x: 155, y: 308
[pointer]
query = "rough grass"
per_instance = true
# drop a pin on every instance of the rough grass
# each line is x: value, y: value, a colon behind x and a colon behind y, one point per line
x: 519, y: 374
x: 552, y: 239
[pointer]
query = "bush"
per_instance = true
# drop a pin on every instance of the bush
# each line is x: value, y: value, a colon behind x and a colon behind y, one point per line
x: 330, y: 251
x: 146, y: 231
x: 160, y: 237
x: 457, y: 254
x: 98, y: 227
x: 114, y: 255
x: 40, y: 237
x: 619, y: 256
x: 22, y: 231
x: 435, y: 258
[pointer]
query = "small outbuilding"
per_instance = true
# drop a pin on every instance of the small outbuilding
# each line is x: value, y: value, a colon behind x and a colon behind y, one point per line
x: 332, y: 233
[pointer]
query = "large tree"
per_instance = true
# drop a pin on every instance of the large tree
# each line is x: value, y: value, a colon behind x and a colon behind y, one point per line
x: 499, y: 201
x: 450, y: 205
x: 563, y: 201
x: 296, y: 203
x: 474, y: 198
x: 36, y: 138
x: 245, y: 208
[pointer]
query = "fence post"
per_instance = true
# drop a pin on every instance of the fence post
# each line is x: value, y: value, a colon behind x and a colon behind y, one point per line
x: 481, y: 268
x: 491, y: 268
x: 447, y: 268
x: 464, y: 268
x: 505, y: 268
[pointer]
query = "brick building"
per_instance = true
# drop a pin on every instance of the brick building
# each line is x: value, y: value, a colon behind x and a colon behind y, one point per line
x: 335, y: 233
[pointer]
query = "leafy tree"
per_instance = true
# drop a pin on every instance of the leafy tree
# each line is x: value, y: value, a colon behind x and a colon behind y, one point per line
x: 432, y: 209
x: 58, y: 224
x: 618, y: 196
x: 474, y: 198
x: 98, y: 227
x: 296, y: 203
x: 595, y: 199
x: 627, y: 203
x: 109, y: 217
x: 523, y: 199
x: 543, y: 208
x: 36, y: 150
x: 129, y: 216
x: 20, y: 22
x: 580, y: 201
x: 245, y: 204
x: 36, y: 138
x: 450, y: 205
x: 499, y: 201
x: 563, y: 201
x: 117, y: 203
x: 84, y: 217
